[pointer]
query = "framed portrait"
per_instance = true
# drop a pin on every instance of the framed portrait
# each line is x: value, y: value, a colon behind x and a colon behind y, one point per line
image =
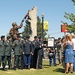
x: 50, y: 42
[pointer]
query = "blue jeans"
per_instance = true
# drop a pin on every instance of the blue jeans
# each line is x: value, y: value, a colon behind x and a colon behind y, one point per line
x: 74, y: 60
x: 27, y: 59
x: 53, y: 58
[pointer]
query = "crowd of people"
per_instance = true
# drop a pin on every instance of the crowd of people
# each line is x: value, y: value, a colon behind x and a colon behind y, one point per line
x: 64, y: 51
x: 27, y: 54
x: 68, y: 51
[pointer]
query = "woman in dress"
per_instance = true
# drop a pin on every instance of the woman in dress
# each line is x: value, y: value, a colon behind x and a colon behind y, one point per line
x: 68, y: 45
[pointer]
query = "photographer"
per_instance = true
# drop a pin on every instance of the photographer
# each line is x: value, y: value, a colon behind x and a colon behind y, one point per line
x: 51, y: 50
x: 52, y: 55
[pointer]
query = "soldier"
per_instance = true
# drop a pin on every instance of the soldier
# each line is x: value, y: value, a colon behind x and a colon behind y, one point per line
x: 22, y: 59
x: 35, y: 48
x: 17, y: 52
x: 59, y: 50
x: 2, y: 51
x: 27, y: 51
x: 8, y: 49
x: 40, y: 52
x: 14, y: 31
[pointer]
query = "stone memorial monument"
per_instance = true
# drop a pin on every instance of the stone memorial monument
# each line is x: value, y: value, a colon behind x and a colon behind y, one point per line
x: 32, y: 14
x: 32, y: 18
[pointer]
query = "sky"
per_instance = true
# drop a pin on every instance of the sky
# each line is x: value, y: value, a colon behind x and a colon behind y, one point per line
x: 53, y: 10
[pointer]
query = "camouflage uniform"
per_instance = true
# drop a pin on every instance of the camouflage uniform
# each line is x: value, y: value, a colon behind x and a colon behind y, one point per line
x: 2, y: 51
x: 14, y: 31
x: 8, y: 49
x: 17, y: 52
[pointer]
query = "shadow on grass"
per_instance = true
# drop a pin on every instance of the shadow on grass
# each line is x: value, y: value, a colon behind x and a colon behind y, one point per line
x: 46, y: 66
x: 59, y: 70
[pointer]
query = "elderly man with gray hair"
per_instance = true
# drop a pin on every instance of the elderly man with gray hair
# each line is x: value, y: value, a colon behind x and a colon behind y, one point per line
x: 73, y: 40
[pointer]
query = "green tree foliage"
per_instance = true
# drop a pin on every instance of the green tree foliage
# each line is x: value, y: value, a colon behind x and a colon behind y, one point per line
x: 27, y: 28
x: 73, y: 1
x: 71, y: 17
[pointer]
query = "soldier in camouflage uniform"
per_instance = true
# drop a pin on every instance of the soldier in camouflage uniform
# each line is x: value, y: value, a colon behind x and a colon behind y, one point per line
x: 8, y: 48
x: 2, y: 51
x: 17, y: 52
x: 59, y: 50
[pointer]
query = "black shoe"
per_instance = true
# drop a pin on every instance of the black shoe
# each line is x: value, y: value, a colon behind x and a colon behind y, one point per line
x: 4, y: 69
x: 26, y: 67
x: 20, y: 68
x: 9, y: 68
x: 40, y: 68
x: 14, y: 68
x: 72, y: 72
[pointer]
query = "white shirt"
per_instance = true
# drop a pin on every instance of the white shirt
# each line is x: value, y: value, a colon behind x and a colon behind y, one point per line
x: 73, y: 40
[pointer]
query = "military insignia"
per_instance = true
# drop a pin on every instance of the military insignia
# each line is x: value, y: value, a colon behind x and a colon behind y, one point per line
x: 24, y: 42
x: 7, y: 43
x: 34, y: 43
x: 40, y: 43
x: 29, y: 42
x: 13, y: 44
x: 16, y: 43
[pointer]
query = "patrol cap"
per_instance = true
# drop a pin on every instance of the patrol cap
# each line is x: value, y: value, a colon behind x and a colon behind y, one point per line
x: 18, y: 36
x: 40, y: 37
x: 8, y: 37
x: 59, y: 38
x: 35, y: 36
x: 2, y: 36
x: 27, y: 36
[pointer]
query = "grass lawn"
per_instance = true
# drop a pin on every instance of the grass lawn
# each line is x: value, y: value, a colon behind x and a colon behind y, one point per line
x: 47, y: 70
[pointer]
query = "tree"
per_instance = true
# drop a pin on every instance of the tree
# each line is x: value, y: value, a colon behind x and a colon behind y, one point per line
x: 73, y: 1
x: 27, y: 29
x: 71, y: 17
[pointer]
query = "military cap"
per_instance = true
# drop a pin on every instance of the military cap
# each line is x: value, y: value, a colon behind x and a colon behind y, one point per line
x: 2, y: 36
x: 24, y: 38
x: 8, y: 37
x: 40, y: 37
x: 18, y: 36
x: 27, y: 36
x: 35, y: 36
x: 59, y: 38
x: 14, y: 23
